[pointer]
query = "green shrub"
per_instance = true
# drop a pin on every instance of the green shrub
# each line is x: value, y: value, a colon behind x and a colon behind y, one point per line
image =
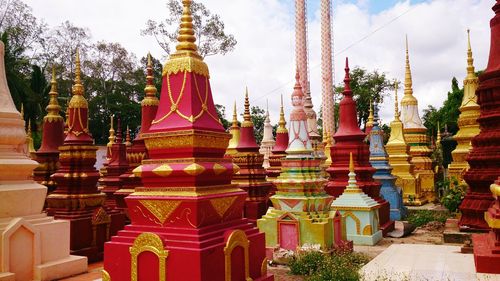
x: 454, y: 196
x: 340, y: 266
x: 423, y: 217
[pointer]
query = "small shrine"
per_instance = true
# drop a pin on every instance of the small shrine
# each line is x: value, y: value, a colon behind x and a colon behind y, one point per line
x: 33, y: 246
x: 398, y: 151
x: 359, y: 211
x: 252, y: 175
x: 301, y: 212
x: 268, y: 141
x: 380, y: 161
x: 187, y: 217
x: 53, y: 137
x: 415, y: 135
x: 467, y: 121
x: 76, y: 197
x: 349, y: 138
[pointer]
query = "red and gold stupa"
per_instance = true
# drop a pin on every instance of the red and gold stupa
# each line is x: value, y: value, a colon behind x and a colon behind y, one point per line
x: 53, y: 137
x: 350, y: 139
x: 76, y: 197
x: 136, y: 152
x: 484, y: 157
x: 251, y: 176
x: 117, y: 166
x: 279, y: 151
x: 187, y: 218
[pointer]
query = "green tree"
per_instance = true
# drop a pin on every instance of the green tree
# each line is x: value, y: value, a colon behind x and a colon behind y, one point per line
x: 365, y: 86
x: 209, y: 30
x: 221, y: 112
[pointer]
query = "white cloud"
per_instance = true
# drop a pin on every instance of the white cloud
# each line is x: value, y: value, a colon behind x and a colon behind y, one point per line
x: 264, y: 56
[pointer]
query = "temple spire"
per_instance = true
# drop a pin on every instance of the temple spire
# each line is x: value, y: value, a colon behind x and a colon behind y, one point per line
x: 396, y: 106
x: 282, y: 122
x: 150, y: 90
x: 53, y: 107
x: 186, y: 36
x: 247, y: 120
x: 128, y: 139
x: 438, y: 137
x: 235, y: 116
x: 470, y: 59
x: 352, y: 186
x: 77, y: 87
x: 408, y: 98
x: 111, y: 137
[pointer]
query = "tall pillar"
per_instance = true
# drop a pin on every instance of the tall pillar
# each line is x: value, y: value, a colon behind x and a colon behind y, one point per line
x: 416, y: 136
x: 33, y: 246
x: 327, y: 91
x: 484, y: 158
x: 186, y: 218
x: 467, y: 121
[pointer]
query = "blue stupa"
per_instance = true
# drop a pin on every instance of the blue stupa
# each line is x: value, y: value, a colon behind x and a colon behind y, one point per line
x: 379, y: 161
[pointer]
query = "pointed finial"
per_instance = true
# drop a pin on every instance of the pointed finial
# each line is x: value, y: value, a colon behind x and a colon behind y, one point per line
x: 111, y: 137
x: 118, y: 138
x: 247, y: 120
x: 235, y: 117
x: 29, y: 127
x: 408, y: 81
x: 150, y: 90
x: 438, y: 137
x: 370, y: 115
x: 347, y: 78
x: 396, y: 106
x: 128, y: 138
x: 282, y: 122
x: 268, y: 120
x: 77, y: 88
x: 470, y: 60
x: 53, y: 107
x: 186, y: 36
x: 78, y: 79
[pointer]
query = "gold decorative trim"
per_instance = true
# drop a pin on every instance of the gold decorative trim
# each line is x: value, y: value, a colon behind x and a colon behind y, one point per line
x: 221, y: 205
x: 367, y: 230
x: 161, y: 209
x: 187, y: 139
x: 356, y: 220
x: 105, y: 275
x: 148, y: 242
x: 186, y: 192
x: 219, y: 169
x: 194, y: 169
x: 185, y: 64
x: 263, y: 268
x: 237, y: 238
x: 163, y: 170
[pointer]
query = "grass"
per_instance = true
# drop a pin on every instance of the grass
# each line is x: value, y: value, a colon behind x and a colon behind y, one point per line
x: 339, y: 266
x: 423, y: 217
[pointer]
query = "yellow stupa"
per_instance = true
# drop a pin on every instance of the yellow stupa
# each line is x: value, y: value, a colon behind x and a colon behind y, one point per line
x: 234, y: 130
x: 400, y: 160
x: 467, y: 121
x: 415, y: 134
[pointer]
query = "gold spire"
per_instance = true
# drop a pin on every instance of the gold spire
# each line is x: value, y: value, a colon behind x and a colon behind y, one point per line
x: 438, y: 137
x: 235, y: 117
x: 53, y: 107
x: 470, y: 60
x: 408, y: 98
x: 369, y: 123
x: 77, y: 100
x: 31, y: 146
x: 186, y: 58
x: 282, y: 121
x: 150, y: 90
x: 351, y: 163
x: 247, y: 119
x: 128, y: 142
x: 111, y: 137
x: 328, y: 146
x: 396, y: 107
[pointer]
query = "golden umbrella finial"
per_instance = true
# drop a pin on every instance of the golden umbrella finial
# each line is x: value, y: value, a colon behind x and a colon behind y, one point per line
x: 235, y: 116
x: 53, y: 107
x: 470, y: 60
x: 351, y: 163
x: 282, y: 121
x: 247, y: 120
x: 186, y: 36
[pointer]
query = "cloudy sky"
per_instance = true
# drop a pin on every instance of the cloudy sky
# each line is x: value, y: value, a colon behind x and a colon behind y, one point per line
x: 370, y: 32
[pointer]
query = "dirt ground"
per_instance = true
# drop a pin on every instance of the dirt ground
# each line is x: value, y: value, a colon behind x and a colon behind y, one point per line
x: 429, y: 234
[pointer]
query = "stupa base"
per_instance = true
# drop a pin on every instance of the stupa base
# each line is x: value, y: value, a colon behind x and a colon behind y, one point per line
x: 486, y: 253
x: 232, y: 250
x: 414, y: 201
x: 427, y: 187
x: 37, y: 247
x: 368, y: 240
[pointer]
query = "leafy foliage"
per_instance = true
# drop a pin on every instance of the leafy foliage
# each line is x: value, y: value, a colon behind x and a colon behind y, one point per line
x: 454, y: 196
x: 209, y: 30
x: 423, y: 217
x: 340, y: 266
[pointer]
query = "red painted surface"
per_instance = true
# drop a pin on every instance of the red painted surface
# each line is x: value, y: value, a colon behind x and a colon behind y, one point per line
x: 484, y: 158
x: 289, y: 235
x: 350, y: 139
x: 194, y: 233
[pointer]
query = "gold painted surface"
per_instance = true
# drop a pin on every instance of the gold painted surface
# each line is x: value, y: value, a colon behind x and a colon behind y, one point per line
x: 148, y: 242
x: 161, y: 209
x: 219, y: 169
x: 194, y: 169
x: 263, y: 267
x: 105, y: 276
x: 137, y: 171
x: 53, y: 107
x: 188, y: 138
x: 187, y: 192
x: 367, y: 230
x: 237, y: 238
x: 221, y: 205
x: 282, y: 122
x: 163, y: 170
